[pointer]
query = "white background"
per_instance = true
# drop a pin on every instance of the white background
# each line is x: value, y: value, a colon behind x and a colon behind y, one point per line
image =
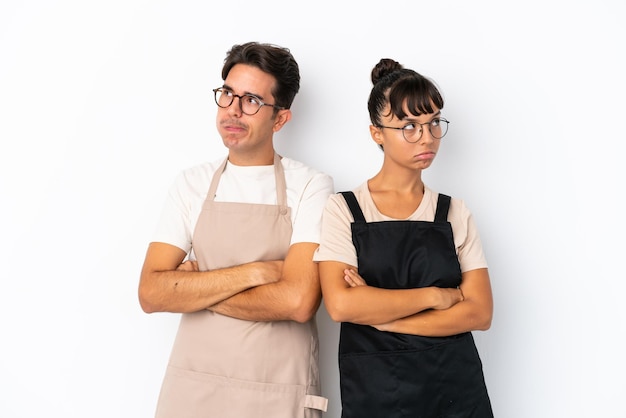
x: 102, y: 103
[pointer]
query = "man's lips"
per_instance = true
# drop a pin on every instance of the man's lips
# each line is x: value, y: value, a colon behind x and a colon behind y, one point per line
x: 232, y: 126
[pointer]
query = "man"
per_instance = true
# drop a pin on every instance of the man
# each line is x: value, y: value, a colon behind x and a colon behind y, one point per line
x: 247, y: 226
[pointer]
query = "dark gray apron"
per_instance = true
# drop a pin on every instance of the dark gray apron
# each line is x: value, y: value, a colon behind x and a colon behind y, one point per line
x: 387, y: 374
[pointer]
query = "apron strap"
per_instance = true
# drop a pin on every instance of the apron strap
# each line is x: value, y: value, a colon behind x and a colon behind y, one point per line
x: 443, y: 205
x: 357, y: 213
x: 279, y: 174
x: 441, y: 214
x: 316, y: 402
x: 281, y: 184
x: 215, y: 181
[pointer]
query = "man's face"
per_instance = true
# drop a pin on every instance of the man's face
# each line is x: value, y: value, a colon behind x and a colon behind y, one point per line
x: 248, y: 136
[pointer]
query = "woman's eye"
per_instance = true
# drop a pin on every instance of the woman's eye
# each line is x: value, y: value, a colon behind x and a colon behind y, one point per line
x: 435, y: 122
x: 409, y: 127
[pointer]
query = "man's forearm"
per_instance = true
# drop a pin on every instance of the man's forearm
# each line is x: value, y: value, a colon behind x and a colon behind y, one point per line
x: 191, y: 291
x: 272, y: 302
x: 296, y: 296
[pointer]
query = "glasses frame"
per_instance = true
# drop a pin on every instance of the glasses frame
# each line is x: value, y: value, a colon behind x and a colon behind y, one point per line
x: 444, y: 120
x: 221, y: 90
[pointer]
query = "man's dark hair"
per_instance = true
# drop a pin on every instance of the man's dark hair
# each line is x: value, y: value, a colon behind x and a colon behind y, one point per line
x: 272, y: 59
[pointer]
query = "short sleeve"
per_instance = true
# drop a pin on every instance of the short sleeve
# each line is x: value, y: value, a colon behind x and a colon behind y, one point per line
x: 336, y: 240
x: 307, y: 221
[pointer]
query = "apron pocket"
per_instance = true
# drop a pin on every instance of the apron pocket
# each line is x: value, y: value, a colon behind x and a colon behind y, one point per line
x: 189, y: 394
x: 444, y: 380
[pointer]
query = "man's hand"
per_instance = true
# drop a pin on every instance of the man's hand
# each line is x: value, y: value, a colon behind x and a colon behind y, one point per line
x: 189, y: 265
x: 292, y: 294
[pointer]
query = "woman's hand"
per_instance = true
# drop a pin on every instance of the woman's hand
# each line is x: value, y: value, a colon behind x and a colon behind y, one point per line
x: 353, y: 278
x: 444, y: 297
x: 449, y: 296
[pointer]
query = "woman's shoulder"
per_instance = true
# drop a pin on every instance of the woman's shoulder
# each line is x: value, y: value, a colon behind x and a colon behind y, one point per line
x: 433, y: 196
x: 361, y: 193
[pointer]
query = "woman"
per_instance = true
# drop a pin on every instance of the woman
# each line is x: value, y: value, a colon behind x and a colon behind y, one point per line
x: 403, y: 269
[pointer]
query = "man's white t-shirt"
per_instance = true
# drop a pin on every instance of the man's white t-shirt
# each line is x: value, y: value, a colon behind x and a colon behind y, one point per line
x: 307, y: 192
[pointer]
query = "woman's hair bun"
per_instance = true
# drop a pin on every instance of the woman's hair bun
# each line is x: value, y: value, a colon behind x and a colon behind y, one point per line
x: 384, y: 67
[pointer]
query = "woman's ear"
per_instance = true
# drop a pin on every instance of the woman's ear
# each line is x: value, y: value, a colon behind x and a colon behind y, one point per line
x: 377, y: 135
x: 282, y: 117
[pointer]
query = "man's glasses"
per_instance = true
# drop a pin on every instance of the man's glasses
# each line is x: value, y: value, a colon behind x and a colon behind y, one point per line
x: 412, y: 132
x: 248, y: 103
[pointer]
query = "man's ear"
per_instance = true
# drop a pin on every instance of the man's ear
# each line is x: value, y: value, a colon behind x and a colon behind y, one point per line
x: 282, y: 117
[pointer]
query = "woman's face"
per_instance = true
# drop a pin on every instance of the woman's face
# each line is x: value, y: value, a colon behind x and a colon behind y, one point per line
x: 409, y: 141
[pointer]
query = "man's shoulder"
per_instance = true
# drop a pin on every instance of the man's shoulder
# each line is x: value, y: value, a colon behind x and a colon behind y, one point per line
x: 197, y: 175
x: 307, y: 179
x: 201, y: 169
x: 298, y: 167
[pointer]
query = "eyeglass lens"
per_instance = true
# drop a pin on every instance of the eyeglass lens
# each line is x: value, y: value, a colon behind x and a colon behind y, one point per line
x: 248, y: 104
x: 438, y: 128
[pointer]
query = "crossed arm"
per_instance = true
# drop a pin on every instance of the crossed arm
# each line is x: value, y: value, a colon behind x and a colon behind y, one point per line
x: 429, y: 311
x: 258, y: 291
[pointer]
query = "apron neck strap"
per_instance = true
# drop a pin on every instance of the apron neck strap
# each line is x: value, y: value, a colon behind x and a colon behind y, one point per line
x: 279, y: 174
x: 443, y: 204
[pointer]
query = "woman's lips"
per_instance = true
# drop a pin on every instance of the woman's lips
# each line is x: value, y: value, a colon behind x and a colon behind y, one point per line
x: 429, y: 155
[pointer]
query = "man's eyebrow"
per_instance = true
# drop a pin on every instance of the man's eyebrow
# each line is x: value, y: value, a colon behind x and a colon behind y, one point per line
x: 245, y: 93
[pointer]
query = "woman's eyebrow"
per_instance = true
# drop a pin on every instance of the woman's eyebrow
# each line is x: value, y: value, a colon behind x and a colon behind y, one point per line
x: 414, y: 119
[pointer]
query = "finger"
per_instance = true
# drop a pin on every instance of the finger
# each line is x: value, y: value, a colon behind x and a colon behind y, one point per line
x: 351, y: 282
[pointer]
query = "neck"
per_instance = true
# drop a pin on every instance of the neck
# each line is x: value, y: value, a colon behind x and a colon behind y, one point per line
x: 264, y: 158
x: 400, y: 181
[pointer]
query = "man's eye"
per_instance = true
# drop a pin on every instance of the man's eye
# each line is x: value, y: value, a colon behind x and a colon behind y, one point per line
x: 252, y: 100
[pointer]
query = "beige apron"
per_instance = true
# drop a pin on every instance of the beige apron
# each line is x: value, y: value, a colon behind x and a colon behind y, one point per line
x: 222, y: 367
